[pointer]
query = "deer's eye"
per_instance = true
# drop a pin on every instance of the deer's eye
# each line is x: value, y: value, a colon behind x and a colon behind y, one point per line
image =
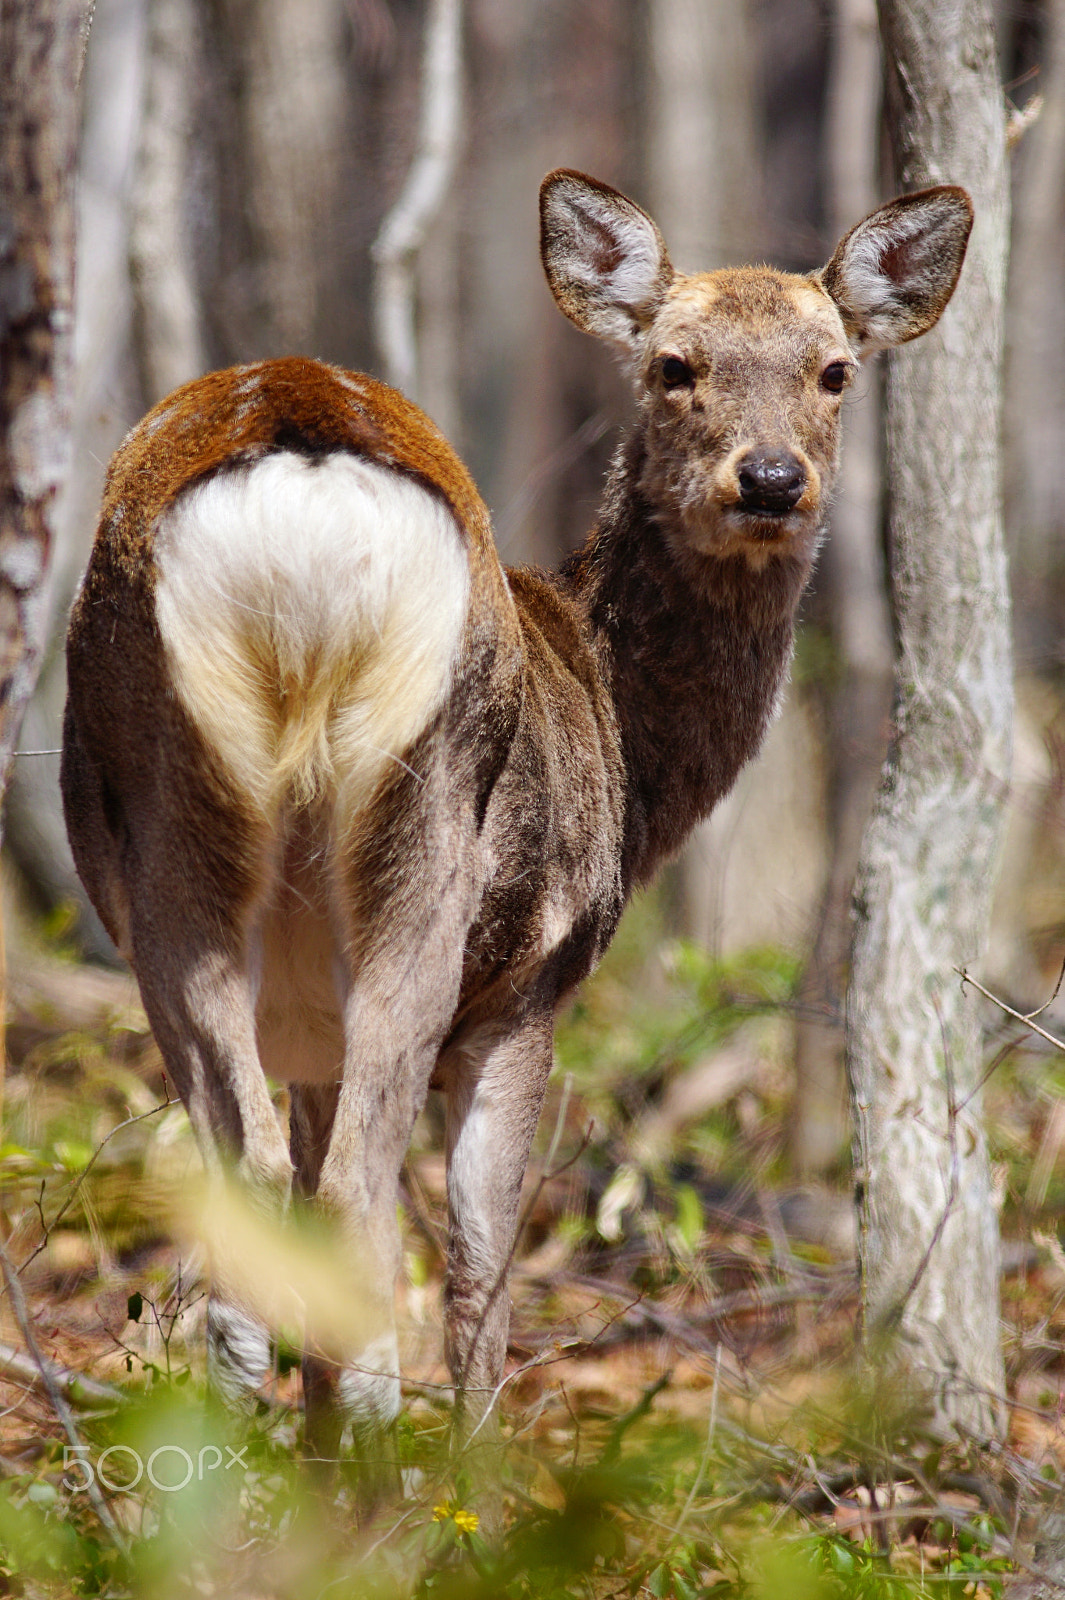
x: 676, y: 373
x: 834, y: 377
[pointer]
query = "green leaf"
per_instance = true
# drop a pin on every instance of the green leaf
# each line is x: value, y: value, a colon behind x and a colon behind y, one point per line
x: 690, y: 1222
x: 841, y: 1559
x: 73, y: 1154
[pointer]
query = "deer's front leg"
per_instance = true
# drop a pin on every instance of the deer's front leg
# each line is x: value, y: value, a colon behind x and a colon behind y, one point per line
x: 494, y: 1102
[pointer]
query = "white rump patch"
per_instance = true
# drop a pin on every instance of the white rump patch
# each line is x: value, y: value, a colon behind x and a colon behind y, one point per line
x: 312, y: 613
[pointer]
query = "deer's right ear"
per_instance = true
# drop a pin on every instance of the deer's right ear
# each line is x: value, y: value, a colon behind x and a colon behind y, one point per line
x: 605, y: 260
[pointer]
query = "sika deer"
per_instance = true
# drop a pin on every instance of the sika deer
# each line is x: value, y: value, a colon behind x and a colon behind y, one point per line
x: 360, y: 808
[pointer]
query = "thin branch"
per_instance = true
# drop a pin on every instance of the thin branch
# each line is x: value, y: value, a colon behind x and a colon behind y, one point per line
x: 46, y: 1228
x: 54, y: 1391
x: 1020, y: 1016
x: 1057, y: 990
x: 75, y: 1386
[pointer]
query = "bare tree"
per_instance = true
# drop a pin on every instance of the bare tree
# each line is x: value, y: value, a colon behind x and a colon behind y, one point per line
x: 1035, y: 384
x: 704, y: 164
x: 41, y: 46
x: 703, y: 134
x: 404, y: 230
x: 167, y: 335
x: 928, y: 1226
x: 861, y: 629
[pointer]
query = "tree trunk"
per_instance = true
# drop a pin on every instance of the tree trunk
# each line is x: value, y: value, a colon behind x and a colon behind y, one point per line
x: 41, y: 46
x: 167, y: 336
x: 1035, y: 371
x: 283, y: 63
x: 403, y: 232
x: 704, y: 156
x: 928, y: 1228
x: 106, y: 401
x: 41, y: 50
x: 703, y: 138
x: 852, y: 574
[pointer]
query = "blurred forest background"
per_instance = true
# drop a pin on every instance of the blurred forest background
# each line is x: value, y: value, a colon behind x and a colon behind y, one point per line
x: 239, y: 158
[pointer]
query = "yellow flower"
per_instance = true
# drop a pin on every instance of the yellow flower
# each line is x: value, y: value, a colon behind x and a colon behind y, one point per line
x: 465, y: 1521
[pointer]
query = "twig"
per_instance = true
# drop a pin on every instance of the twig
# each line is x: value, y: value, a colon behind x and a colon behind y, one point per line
x: 55, y: 1394
x: 75, y: 1386
x: 1020, y: 1016
x: 46, y: 1228
x: 705, y: 1458
x: 1057, y: 990
x: 725, y: 1305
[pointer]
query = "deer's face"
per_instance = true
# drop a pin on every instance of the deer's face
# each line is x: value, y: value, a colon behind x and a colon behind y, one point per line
x: 740, y: 378
x: 740, y: 373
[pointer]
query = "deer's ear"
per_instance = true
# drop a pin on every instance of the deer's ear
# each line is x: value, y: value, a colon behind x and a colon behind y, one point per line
x: 892, y: 275
x: 605, y: 260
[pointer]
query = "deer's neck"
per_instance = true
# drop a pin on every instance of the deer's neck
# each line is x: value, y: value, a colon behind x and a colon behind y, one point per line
x: 696, y: 651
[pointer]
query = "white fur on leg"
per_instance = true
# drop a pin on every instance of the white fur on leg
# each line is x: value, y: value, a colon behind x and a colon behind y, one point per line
x: 238, y: 1352
x: 368, y: 1391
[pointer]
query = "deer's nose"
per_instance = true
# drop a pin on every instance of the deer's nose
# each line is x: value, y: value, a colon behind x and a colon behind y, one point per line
x: 770, y: 481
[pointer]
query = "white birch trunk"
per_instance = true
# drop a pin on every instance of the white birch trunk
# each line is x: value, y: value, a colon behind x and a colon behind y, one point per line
x: 928, y: 1225
x: 403, y: 232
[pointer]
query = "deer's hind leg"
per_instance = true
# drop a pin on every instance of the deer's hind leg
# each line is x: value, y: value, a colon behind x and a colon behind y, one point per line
x: 187, y: 865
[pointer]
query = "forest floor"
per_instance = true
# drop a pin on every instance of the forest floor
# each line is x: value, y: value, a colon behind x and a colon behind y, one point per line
x: 685, y: 1412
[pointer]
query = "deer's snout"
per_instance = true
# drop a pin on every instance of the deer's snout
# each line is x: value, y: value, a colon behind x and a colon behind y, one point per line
x: 770, y: 481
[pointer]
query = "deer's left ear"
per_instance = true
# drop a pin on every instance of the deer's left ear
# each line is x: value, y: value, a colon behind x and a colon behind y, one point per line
x: 605, y: 260
x: 893, y: 274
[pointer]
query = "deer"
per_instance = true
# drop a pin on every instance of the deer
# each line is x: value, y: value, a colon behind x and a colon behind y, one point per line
x: 361, y: 807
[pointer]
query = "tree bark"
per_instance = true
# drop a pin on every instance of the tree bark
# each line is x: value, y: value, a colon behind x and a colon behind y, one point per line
x: 41, y: 49
x: 928, y: 1227
x: 42, y: 46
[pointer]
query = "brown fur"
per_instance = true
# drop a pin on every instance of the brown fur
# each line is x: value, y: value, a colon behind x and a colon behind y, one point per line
x: 593, y: 716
